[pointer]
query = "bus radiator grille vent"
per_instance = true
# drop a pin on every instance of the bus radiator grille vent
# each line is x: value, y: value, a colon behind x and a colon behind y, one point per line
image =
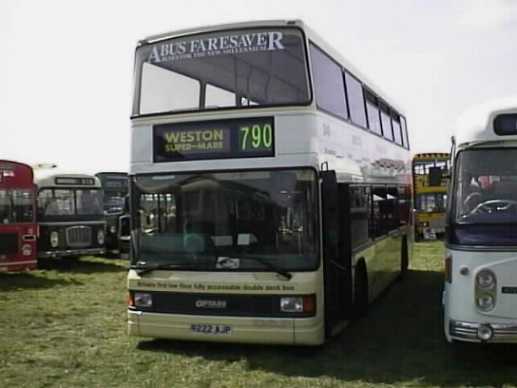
x: 79, y: 236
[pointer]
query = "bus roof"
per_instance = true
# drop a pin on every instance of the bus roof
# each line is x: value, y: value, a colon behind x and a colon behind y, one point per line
x: 311, y: 35
x: 53, y: 179
x: 16, y: 174
x: 477, y: 123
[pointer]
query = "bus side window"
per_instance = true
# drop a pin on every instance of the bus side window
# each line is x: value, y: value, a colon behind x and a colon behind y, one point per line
x: 359, y: 214
x: 404, y: 205
x: 385, y: 215
x: 393, y: 208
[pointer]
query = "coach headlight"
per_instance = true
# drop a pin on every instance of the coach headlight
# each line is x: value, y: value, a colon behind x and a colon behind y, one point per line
x: 485, y: 280
x: 54, y: 239
x: 143, y: 299
x: 485, y: 302
x: 26, y: 250
x: 113, y: 229
x: 486, y: 290
x: 298, y: 304
x: 100, y: 237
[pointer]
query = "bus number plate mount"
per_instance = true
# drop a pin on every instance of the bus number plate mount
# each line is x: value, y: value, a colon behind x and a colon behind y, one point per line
x: 210, y: 329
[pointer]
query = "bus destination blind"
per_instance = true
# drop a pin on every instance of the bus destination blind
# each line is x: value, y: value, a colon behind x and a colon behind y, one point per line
x: 506, y: 124
x: 218, y: 139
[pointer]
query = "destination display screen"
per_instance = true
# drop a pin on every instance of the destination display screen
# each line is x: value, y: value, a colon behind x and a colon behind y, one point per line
x: 506, y: 124
x: 75, y: 181
x: 116, y: 183
x: 218, y: 139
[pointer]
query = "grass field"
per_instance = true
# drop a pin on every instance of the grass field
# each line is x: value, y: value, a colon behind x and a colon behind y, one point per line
x: 66, y: 326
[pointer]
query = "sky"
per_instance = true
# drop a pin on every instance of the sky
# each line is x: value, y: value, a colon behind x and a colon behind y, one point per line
x: 66, y: 66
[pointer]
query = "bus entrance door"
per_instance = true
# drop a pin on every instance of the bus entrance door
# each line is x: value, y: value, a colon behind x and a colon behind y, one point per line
x: 336, y: 260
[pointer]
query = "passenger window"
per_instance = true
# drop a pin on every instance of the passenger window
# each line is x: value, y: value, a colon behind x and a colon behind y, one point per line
x: 385, y: 213
x: 405, y: 137
x: 218, y: 97
x: 359, y: 214
x: 396, y: 129
x: 386, y: 123
x: 355, y: 96
x: 328, y: 84
x: 164, y: 90
x: 372, y: 109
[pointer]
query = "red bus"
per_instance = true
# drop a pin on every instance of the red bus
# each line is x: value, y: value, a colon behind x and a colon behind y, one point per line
x: 18, y: 227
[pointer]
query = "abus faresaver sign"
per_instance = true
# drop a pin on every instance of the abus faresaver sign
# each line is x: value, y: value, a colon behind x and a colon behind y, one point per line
x: 236, y: 138
x: 231, y: 43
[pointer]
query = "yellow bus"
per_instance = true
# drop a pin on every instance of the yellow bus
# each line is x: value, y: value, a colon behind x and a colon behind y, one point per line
x: 270, y: 187
x: 430, y: 172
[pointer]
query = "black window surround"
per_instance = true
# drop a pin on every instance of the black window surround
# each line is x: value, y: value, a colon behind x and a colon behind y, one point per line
x: 367, y: 93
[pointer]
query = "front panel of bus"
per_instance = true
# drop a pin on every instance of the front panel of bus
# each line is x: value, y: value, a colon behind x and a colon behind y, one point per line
x: 480, y: 297
x: 225, y: 234
x: 71, y: 219
x: 115, y: 187
x: 17, y: 218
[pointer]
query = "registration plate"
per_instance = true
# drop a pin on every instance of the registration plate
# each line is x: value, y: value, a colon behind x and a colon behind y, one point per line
x: 211, y: 329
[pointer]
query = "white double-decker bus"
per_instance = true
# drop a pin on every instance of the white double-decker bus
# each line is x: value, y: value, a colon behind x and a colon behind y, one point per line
x: 480, y: 294
x: 270, y: 187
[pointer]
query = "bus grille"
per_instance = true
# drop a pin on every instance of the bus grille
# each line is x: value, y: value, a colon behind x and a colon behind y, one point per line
x: 79, y: 236
x: 8, y: 243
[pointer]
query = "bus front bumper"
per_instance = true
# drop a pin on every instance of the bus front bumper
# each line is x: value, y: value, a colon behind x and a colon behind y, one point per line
x: 71, y: 252
x: 288, y: 331
x: 483, y: 332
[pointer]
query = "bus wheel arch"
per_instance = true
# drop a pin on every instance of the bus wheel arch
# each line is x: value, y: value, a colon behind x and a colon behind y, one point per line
x: 360, y: 289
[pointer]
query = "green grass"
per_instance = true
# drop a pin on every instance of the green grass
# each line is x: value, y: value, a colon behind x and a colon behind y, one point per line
x: 66, y: 326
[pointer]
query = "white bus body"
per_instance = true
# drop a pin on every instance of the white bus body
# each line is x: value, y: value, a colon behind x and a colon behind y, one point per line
x: 480, y: 293
x: 313, y: 153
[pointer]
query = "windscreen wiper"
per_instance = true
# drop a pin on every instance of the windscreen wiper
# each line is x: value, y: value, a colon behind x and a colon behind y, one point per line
x: 143, y: 269
x: 270, y: 266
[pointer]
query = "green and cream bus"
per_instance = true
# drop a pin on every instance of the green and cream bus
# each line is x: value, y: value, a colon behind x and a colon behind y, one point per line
x: 270, y: 187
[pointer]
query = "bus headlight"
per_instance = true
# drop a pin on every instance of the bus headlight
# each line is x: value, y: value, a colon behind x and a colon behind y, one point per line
x: 143, y: 299
x: 486, y: 290
x: 54, y: 239
x: 113, y: 229
x: 298, y: 304
x: 26, y: 250
x: 485, y: 302
x: 291, y: 304
x: 100, y: 237
x: 485, y: 279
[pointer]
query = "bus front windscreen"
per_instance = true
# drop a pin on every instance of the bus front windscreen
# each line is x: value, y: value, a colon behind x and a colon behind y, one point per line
x: 485, y: 191
x: 248, y: 221
x: 69, y: 202
x: 228, y: 69
x: 16, y: 206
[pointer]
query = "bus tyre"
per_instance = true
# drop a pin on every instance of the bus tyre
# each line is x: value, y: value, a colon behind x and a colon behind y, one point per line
x: 404, y: 260
x: 360, y: 291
